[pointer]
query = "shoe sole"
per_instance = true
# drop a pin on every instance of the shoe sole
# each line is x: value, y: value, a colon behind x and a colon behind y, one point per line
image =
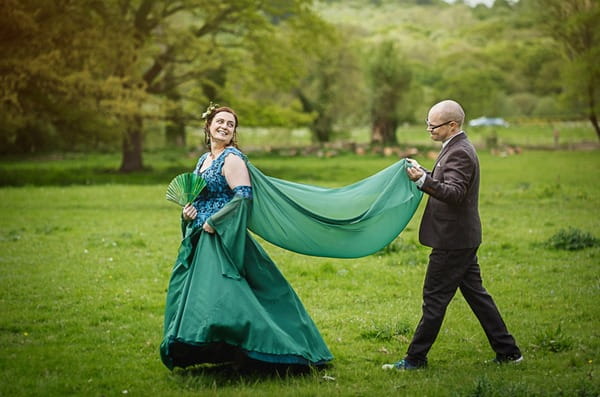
x: 388, y: 367
x: 516, y: 361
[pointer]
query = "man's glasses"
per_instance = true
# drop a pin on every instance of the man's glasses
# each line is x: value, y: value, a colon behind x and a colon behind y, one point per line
x: 433, y: 127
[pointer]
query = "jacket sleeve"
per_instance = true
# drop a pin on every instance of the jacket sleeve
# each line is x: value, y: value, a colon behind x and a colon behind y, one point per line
x: 456, y: 175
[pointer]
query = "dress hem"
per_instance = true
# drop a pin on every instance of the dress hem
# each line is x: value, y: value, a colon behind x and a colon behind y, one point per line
x: 184, y: 354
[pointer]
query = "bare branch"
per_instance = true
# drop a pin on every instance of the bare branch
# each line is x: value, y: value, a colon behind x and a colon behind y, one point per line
x: 157, y: 67
x: 173, y: 10
x: 141, y: 21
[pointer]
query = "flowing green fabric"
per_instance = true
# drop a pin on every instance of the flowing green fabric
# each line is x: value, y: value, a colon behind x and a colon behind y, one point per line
x: 347, y: 222
x: 226, y: 296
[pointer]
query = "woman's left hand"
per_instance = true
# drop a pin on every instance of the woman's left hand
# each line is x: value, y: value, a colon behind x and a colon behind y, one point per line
x: 208, y: 228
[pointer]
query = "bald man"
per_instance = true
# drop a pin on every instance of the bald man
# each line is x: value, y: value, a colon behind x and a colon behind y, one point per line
x: 451, y: 227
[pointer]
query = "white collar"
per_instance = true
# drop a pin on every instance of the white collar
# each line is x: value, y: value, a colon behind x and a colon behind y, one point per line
x: 446, y: 142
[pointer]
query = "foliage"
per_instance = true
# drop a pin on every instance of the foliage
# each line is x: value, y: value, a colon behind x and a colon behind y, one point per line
x: 482, y: 57
x: 389, y: 79
x: 571, y: 239
x: 261, y: 83
x: 332, y: 88
x: 132, y: 68
x: 196, y: 41
x: 573, y: 24
x: 130, y: 62
x: 52, y: 88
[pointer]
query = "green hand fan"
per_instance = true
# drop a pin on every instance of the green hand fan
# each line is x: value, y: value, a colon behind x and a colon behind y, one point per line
x: 184, y: 188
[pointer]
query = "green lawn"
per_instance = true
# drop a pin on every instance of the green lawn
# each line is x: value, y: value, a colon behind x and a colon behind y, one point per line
x: 83, y: 271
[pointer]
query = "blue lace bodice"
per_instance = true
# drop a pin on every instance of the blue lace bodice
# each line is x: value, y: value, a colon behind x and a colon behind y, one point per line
x: 217, y: 192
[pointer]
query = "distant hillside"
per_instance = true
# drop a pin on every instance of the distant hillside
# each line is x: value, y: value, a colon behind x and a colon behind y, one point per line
x: 491, y: 58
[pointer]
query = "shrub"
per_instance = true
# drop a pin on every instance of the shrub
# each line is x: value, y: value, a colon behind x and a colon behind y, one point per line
x: 554, y: 341
x: 571, y: 239
x: 397, y: 246
x: 387, y: 331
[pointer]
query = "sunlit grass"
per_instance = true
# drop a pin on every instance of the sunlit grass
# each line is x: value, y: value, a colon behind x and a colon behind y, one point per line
x: 83, y: 271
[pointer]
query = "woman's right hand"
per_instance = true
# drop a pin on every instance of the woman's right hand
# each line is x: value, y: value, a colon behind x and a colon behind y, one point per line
x: 189, y: 212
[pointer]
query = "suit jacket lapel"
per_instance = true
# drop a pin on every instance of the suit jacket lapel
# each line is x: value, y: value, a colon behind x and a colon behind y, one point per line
x: 446, y: 148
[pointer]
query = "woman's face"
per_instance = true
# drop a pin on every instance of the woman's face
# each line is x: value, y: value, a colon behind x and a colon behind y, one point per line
x: 222, y: 128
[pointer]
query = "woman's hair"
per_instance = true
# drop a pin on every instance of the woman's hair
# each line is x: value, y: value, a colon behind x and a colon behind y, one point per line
x: 209, y: 119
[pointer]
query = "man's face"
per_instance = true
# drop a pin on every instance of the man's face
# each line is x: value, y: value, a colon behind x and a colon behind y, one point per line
x: 439, y: 129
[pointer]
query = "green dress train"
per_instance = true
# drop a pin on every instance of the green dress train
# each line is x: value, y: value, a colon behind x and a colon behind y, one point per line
x: 227, y: 298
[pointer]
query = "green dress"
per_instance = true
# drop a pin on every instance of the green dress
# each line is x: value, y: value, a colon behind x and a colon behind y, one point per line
x: 227, y: 298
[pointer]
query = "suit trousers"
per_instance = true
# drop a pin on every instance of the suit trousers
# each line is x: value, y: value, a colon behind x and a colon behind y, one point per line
x: 447, y: 271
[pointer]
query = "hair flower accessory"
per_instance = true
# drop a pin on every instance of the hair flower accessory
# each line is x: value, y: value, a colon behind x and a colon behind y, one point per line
x: 211, y: 107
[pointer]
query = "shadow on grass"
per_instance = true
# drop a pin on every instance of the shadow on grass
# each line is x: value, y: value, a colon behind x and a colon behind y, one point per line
x: 161, y: 167
x: 249, y: 372
x: 86, y: 176
x: 227, y: 365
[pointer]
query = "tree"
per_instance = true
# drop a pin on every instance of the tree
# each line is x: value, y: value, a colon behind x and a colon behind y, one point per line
x: 475, y: 84
x: 574, y: 24
x: 291, y: 75
x: 144, y: 67
x: 199, y: 38
x: 126, y: 62
x: 389, y: 77
x: 52, y: 87
x: 331, y: 92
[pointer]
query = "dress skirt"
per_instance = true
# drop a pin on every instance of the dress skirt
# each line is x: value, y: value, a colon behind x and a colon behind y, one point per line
x: 217, y: 309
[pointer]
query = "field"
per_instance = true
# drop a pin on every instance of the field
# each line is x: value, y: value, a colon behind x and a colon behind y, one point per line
x: 84, y: 267
x: 564, y: 134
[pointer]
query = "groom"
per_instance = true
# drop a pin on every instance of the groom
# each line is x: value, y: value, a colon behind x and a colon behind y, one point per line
x: 451, y: 227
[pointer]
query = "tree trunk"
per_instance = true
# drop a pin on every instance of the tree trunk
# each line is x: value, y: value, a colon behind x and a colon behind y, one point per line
x: 175, y: 128
x: 132, y: 147
x: 594, y: 121
x: 384, y: 132
x: 175, y: 133
x: 322, y: 127
x: 592, y: 102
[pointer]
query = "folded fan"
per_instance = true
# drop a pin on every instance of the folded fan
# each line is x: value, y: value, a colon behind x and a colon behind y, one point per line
x: 184, y: 188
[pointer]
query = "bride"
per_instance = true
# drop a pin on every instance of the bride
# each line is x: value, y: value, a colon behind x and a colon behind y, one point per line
x: 226, y: 300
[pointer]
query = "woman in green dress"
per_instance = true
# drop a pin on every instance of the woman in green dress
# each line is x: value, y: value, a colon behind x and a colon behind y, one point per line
x: 226, y: 300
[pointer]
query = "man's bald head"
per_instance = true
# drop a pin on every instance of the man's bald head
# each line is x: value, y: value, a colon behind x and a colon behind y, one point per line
x: 448, y: 110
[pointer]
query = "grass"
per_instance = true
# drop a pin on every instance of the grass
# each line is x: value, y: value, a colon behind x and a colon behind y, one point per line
x: 88, y: 169
x: 83, y: 271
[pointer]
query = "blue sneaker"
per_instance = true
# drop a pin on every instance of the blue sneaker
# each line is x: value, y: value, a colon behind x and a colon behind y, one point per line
x: 403, y: 365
